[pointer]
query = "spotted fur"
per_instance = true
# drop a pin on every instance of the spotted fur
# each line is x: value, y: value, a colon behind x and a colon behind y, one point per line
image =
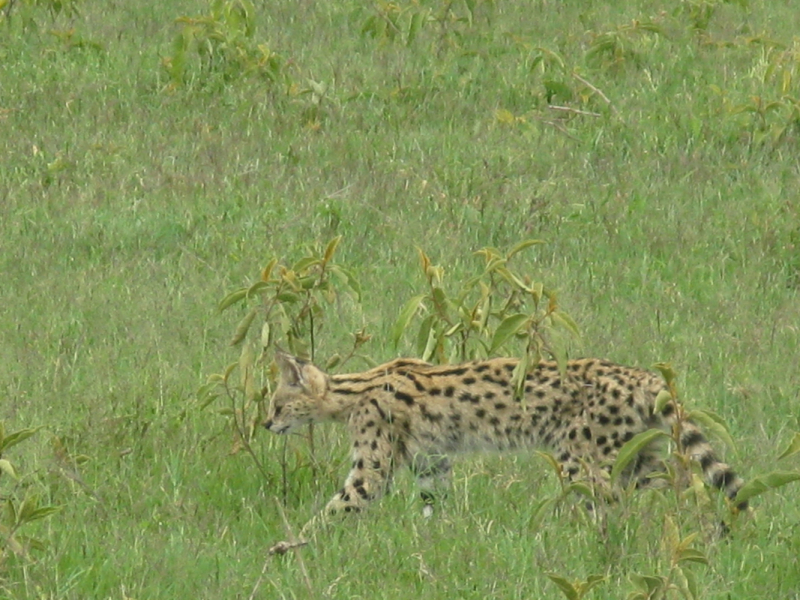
x: 408, y: 412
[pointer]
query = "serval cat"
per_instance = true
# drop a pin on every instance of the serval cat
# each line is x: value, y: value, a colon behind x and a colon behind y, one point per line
x: 409, y: 412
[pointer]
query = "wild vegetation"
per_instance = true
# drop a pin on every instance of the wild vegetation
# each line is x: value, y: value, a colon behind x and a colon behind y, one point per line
x: 294, y: 163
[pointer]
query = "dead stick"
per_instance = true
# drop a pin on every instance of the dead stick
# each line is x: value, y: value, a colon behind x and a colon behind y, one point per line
x: 598, y: 91
x: 573, y: 110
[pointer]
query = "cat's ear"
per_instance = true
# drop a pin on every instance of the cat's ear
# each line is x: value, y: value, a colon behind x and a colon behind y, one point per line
x: 291, y: 368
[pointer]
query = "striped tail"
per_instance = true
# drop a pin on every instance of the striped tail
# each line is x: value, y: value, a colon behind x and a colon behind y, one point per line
x: 716, y: 472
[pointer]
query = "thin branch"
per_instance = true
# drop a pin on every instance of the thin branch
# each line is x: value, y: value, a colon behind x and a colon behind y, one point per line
x: 573, y: 110
x: 292, y: 544
x: 597, y: 91
x: 282, y: 548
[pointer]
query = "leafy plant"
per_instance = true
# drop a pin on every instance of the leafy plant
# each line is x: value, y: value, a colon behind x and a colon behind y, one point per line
x: 288, y: 304
x: 16, y: 514
x: 679, y: 579
x: 391, y: 22
x: 770, y: 116
x: 622, y: 44
x: 68, y: 8
x: 576, y: 590
x: 490, y: 310
x: 224, y: 43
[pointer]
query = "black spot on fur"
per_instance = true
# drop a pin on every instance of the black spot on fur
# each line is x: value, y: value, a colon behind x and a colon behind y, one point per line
x: 692, y: 438
x: 453, y: 372
x: 403, y: 397
x: 419, y: 387
x: 380, y: 410
x: 430, y: 416
x: 449, y: 391
x: 723, y: 479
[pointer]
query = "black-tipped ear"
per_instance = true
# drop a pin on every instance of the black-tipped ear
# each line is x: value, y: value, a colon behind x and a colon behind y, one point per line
x: 291, y: 368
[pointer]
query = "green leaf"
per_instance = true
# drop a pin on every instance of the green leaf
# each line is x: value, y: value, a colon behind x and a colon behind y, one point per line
x: 28, y: 506
x: 349, y: 279
x: 7, y: 468
x: 304, y: 263
x: 244, y: 326
x: 567, y: 588
x: 257, y: 287
x: 512, y: 279
x: 662, y: 399
x: 712, y: 424
x: 793, y: 447
x: 266, y: 272
x: 288, y: 297
x: 331, y: 248
x: 647, y: 583
x: 232, y: 299
x: 691, y: 583
x: 521, y: 246
x: 431, y: 345
x: 507, y: 328
x: 632, y: 448
x: 563, y: 320
x: 582, y: 488
x: 12, y: 439
x: 439, y: 296
x: 207, y: 393
x: 764, y: 483
x: 539, y: 513
x: 551, y: 460
x: 692, y: 555
x: 423, y: 335
x: 406, y: 314
x: 42, y: 512
x: 10, y: 515
x: 518, y: 377
x: 592, y: 581
x: 667, y: 372
x: 554, y: 87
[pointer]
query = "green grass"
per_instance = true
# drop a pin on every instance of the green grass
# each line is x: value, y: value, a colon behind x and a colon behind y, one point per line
x: 128, y: 209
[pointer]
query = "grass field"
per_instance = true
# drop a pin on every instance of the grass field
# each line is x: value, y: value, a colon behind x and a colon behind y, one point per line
x: 141, y: 182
